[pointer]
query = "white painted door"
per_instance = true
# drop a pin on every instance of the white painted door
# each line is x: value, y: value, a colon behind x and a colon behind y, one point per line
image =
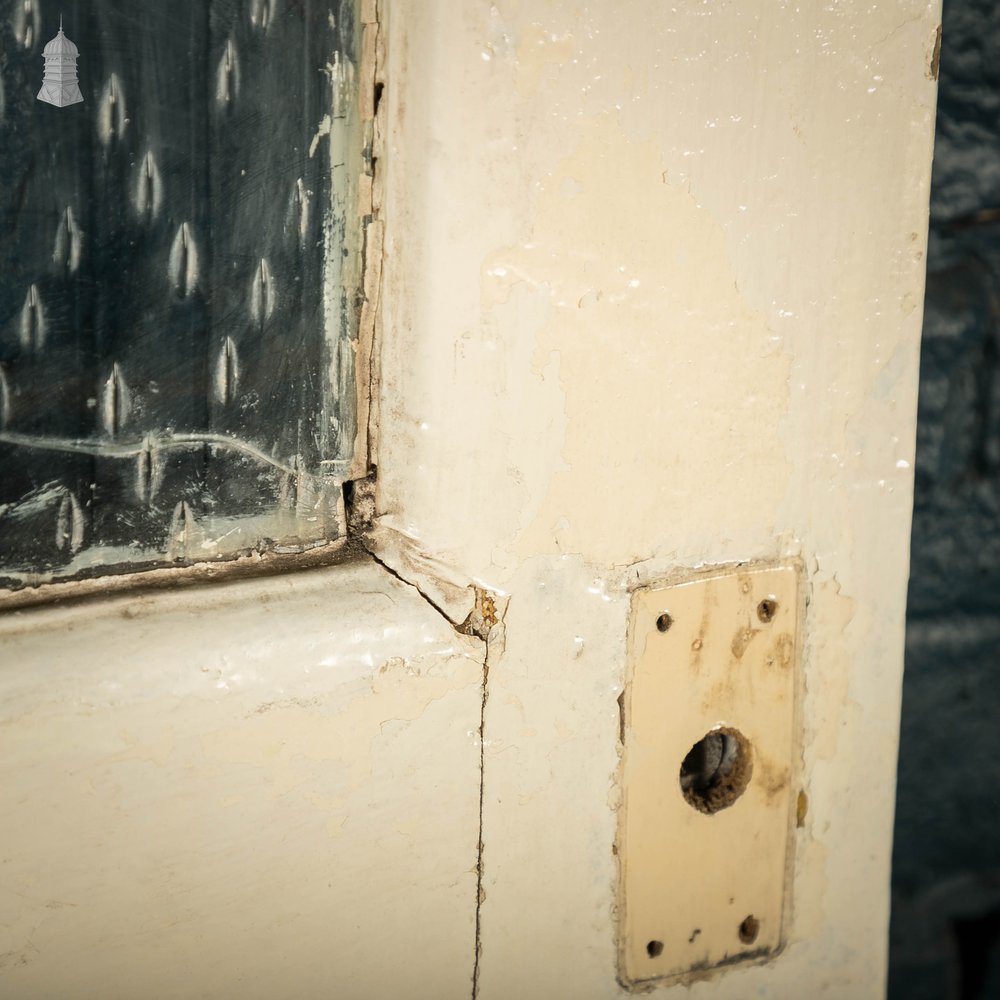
x: 650, y: 301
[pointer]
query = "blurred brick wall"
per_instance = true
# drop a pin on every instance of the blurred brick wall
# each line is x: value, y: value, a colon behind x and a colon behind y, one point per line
x: 945, y: 939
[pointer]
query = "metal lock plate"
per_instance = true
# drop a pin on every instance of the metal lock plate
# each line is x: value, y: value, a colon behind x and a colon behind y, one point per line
x: 711, y: 741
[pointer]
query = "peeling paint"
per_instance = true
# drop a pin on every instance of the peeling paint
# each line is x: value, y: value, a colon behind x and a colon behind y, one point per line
x: 678, y: 314
x: 470, y: 608
x: 262, y: 756
x: 642, y: 324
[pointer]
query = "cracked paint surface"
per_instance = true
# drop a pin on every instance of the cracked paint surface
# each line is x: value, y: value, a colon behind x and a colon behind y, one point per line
x: 655, y: 309
x: 672, y: 280
x: 241, y: 809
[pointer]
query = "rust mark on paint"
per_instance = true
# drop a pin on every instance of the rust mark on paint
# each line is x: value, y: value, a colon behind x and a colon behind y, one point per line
x: 772, y: 779
x: 935, y: 66
x: 741, y: 640
x: 483, y: 616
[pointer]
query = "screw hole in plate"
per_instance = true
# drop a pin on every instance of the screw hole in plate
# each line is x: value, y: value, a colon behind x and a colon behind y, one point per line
x: 654, y: 949
x: 749, y: 929
x: 664, y: 622
x: 767, y: 609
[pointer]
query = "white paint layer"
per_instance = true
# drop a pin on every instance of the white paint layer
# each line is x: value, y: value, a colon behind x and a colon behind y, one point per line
x: 651, y: 301
x: 268, y: 792
x: 651, y: 294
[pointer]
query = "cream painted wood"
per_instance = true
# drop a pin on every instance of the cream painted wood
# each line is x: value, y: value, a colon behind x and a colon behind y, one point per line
x: 267, y: 789
x: 652, y: 293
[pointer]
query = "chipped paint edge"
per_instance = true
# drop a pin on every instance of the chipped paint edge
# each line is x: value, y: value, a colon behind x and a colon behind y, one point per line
x: 372, y: 110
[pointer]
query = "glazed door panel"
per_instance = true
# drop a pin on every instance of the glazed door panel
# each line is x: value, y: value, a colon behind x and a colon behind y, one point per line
x: 178, y: 256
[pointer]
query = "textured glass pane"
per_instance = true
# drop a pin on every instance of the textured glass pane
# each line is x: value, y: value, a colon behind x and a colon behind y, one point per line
x: 178, y: 265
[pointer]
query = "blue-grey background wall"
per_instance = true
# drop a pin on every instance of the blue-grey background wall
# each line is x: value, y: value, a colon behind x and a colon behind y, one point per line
x: 945, y: 939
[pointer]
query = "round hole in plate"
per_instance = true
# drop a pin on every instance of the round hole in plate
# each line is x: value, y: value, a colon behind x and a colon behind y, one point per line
x: 654, y: 949
x: 716, y: 770
x: 749, y: 929
x: 767, y: 609
x: 664, y: 622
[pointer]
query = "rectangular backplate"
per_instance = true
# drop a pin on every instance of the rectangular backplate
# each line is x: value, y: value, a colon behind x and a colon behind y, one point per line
x: 718, y: 656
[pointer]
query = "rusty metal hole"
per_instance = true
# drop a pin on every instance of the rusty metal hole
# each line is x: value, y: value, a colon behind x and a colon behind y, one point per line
x: 767, y: 609
x: 716, y: 770
x: 749, y: 929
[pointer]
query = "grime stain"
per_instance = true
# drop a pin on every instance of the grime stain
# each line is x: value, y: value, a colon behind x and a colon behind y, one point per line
x: 783, y: 651
x: 741, y: 640
x: 772, y: 780
x: 699, y: 640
